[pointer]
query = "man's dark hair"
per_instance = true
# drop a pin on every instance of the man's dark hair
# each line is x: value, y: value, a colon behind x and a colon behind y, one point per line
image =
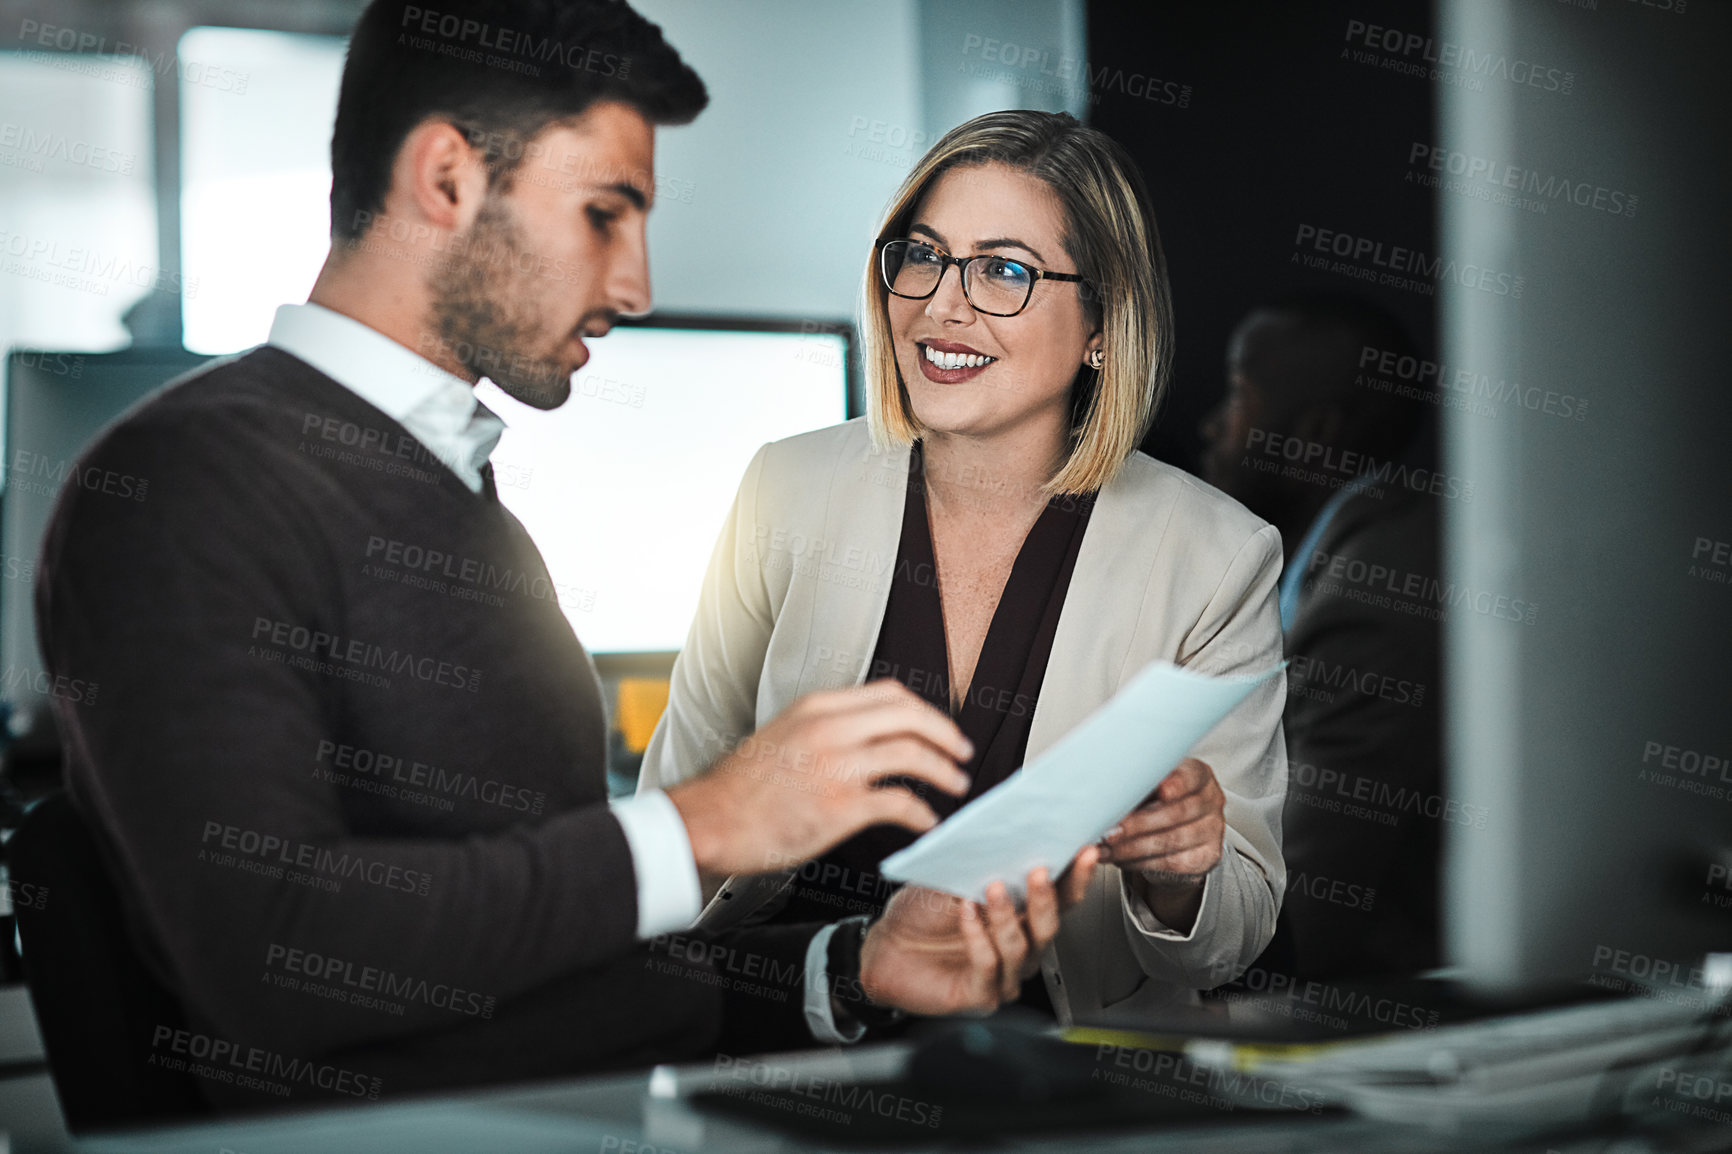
x: 1307, y: 352
x: 501, y: 70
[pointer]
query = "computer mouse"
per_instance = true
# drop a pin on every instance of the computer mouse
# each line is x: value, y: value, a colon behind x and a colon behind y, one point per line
x: 1002, y: 1060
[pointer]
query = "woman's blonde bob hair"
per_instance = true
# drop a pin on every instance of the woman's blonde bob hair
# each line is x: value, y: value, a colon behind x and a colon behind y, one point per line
x: 1109, y: 234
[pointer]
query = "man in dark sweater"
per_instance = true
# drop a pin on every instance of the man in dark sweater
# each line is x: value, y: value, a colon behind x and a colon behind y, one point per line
x: 1315, y: 438
x: 357, y: 814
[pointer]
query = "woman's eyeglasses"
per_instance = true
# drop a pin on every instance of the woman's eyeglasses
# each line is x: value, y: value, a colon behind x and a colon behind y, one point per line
x: 994, y: 285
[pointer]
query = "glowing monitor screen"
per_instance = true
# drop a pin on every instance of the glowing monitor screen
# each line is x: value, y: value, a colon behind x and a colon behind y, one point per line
x: 625, y: 487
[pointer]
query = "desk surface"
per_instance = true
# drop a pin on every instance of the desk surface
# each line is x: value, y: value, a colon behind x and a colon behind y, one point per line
x: 619, y: 1114
x: 616, y: 1115
x: 649, y: 1112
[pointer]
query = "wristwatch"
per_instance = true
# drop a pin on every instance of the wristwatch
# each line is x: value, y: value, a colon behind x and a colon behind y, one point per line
x: 846, y: 992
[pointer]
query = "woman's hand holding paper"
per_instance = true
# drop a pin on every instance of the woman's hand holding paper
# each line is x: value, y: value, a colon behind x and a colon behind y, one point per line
x: 1169, y: 845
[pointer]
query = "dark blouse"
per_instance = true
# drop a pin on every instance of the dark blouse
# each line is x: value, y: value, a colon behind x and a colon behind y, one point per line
x: 999, y: 706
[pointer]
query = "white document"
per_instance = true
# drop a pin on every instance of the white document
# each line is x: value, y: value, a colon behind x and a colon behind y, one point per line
x: 1076, y: 791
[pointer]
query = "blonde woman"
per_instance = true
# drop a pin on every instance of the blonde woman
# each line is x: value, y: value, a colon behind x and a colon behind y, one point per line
x: 990, y: 536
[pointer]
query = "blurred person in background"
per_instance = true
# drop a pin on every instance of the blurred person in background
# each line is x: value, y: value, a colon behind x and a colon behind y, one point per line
x: 1328, y: 431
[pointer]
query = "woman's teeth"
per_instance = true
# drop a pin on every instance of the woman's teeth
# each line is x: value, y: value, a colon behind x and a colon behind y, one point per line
x: 955, y: 360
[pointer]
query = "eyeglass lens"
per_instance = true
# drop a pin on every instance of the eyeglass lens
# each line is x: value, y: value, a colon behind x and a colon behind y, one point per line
x: 992, y: 284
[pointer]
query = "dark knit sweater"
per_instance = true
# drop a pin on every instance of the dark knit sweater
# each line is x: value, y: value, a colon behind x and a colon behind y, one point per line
x: 343, y: 739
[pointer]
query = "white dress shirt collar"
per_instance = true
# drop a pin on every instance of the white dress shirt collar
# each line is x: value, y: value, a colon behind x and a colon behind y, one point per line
x: 439, y: 409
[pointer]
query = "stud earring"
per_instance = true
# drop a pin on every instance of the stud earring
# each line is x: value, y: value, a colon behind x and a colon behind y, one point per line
x: 1097, y: 359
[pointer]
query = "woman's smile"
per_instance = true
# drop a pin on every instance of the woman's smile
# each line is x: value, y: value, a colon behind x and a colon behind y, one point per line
x: 950, y: 363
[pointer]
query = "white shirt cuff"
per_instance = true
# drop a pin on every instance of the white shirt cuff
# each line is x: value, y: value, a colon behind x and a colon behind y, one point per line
x: 668, y: 895
x: 819, y: 1018
x: 1144, y: 919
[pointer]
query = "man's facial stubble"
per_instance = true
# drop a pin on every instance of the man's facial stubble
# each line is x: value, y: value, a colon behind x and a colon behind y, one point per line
x: 486, y: 309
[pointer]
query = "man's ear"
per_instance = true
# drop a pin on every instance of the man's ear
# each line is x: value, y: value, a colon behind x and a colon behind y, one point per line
x: 439, y: 179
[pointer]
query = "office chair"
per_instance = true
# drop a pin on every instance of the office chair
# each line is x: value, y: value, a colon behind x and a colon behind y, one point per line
x: 96, y: 1003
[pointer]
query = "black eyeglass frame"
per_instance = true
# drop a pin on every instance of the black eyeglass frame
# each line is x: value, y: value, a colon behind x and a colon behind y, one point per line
x: 962, y: 263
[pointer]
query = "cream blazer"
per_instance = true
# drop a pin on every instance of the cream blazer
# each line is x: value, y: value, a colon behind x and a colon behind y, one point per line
x: 1170, y: 569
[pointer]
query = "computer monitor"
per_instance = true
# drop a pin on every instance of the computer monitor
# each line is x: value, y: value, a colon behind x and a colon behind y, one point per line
x: 625, y: 487
x: 1597, y: 738
x: 56, y: 403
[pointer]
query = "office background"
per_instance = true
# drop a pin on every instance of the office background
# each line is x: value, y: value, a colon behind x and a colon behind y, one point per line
x: 174, y: 193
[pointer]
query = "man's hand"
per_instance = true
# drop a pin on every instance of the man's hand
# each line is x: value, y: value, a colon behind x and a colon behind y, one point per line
x: 1171, y: 843
x: 932, y: 953
x: 807, y: 780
